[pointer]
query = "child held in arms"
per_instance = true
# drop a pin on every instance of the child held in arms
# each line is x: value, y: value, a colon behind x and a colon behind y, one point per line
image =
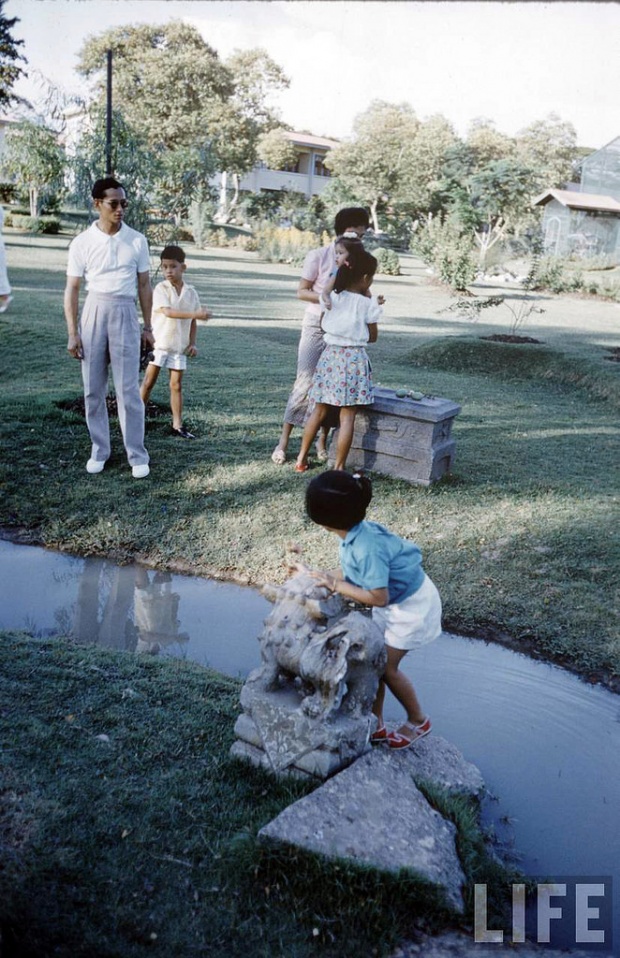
x: 176, y: 308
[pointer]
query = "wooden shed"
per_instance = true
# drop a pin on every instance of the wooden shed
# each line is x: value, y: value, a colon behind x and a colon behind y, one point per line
x: 584, y: 224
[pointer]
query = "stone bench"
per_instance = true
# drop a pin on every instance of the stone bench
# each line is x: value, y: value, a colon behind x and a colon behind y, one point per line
x: 406, y: 438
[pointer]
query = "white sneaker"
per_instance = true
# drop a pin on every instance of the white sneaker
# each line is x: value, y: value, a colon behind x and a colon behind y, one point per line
x: 140, y: 472
x: 94, y: 465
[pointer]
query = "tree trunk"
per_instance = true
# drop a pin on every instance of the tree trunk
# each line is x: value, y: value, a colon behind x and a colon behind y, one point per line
x: 226, y: 206
x: 235, y: 199
x: 486, y: 240
x: 373, y: 215
x: 33, y: 193
x: 221, y: 215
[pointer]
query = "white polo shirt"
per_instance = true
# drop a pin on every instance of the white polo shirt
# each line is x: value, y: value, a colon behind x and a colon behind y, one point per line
x: 109, y: 264
x: 173, y: 334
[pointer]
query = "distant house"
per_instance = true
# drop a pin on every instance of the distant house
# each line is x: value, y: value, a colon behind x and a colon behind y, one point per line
x: 586, y: 220
x: 308, y: 175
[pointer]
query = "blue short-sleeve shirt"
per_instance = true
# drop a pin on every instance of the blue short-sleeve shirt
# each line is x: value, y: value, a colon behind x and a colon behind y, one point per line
x: 371, y: 557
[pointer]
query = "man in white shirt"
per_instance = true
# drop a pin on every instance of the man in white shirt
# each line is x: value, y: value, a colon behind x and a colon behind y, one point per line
x: 114, y: 261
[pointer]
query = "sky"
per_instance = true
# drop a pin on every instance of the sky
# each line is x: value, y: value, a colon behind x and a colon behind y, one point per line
x: 512, y: 63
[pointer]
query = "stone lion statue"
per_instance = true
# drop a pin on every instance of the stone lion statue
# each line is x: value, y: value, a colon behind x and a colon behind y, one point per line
x: 314, y: 643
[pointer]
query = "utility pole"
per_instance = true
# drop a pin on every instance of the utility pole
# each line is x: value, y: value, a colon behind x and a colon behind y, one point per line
x: 108, y: 128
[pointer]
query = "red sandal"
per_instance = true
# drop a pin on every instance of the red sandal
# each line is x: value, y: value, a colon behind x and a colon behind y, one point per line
x: 380, y: 737
x: 397, y: 740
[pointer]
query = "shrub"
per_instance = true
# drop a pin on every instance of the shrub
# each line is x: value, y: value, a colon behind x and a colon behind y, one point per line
x: 279, y: 245
x: 450, y: 251
x: 34, y: 224
x: 244, y: 242
x: 547, y: 273
x: 387, y: 260
x: 200, y: 216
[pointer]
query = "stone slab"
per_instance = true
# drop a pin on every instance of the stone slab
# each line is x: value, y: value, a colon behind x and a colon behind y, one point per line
x: 402, y: 437
x: 373, y: 813
x: 436, y: 760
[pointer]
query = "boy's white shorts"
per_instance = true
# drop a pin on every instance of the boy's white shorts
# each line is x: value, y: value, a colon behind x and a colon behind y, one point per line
x: 166, y: 360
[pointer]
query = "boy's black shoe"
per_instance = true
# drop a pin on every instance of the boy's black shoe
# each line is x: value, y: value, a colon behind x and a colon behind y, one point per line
x: 183, y: 433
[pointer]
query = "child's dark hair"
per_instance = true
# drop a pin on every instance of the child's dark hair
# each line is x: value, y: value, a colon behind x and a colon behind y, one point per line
x: 353, y: 245
x: 337, y: 499
x: 100, y: 186
x: 349, y: 217
x: 362, y: 263
x: 173, y: 252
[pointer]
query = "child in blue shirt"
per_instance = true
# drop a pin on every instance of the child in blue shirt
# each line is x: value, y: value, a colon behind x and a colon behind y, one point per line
x: 381, y: 570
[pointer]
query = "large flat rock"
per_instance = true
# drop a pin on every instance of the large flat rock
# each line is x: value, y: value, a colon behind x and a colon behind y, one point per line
x: 373, y: 813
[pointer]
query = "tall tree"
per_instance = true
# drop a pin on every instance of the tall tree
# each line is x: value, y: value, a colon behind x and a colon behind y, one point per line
x: 35, y: 160
x: 177, y: 95
x: 487, y: 143
x: 10, y: 70
x: 422, y: 164
x: 549, y: 148
x: 135, y: 164
x: 167, y: 82
x: 370, y: 163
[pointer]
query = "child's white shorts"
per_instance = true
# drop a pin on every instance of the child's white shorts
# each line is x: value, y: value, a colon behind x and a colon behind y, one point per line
x: 166, y: 360
x: 414, y: 621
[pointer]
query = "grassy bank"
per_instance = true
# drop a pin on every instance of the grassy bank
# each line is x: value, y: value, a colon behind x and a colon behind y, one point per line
x: 127, y: 831
x: 520, y: 539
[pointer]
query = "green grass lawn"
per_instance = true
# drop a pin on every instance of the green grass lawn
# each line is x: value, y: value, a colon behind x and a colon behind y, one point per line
x: 521, y: 540
x: 125, y: 828
x: 126, y: 831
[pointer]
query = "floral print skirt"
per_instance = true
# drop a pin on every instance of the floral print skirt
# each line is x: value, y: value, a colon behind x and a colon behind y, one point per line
x: 343, y: 377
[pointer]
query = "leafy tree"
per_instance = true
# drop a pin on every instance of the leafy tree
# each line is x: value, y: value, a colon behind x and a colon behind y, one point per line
x: 10, y: 70
x: 394, y: 161
x: 177, y: 95
x: 422, y: 164
x: 487, y: 144
x: 134, y: 164
x: 167, y: 81
x: 370, y: 164
x: 502, y: 189
x: 276, y: 150
x: 549, y: 148
x: 35, y: 160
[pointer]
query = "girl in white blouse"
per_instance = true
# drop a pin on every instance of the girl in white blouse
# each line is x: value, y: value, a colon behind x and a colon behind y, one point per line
x: 343, y: 377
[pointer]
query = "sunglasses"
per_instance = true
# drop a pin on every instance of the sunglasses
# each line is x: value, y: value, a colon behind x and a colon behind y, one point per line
x: 114, y: 204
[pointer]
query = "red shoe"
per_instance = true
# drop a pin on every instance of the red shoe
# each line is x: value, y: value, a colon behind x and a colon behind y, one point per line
x: 301, y: 467
x: 398, y: 740
x: 380, y: 737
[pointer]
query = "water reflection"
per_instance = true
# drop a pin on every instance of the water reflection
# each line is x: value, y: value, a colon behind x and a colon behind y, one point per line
x: 131, y: 608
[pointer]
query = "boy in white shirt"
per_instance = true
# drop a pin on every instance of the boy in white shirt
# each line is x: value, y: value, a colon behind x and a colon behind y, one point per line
x: 176, y: 307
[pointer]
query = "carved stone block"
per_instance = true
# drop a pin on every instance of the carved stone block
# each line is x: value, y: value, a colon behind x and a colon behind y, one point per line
x: 406, y: 438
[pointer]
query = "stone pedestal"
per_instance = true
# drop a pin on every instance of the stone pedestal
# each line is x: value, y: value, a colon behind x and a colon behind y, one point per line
x: 406, y: 438
x: 274, y: 733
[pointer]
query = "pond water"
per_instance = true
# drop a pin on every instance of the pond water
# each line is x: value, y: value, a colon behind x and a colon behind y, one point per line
x: 546, y: 743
